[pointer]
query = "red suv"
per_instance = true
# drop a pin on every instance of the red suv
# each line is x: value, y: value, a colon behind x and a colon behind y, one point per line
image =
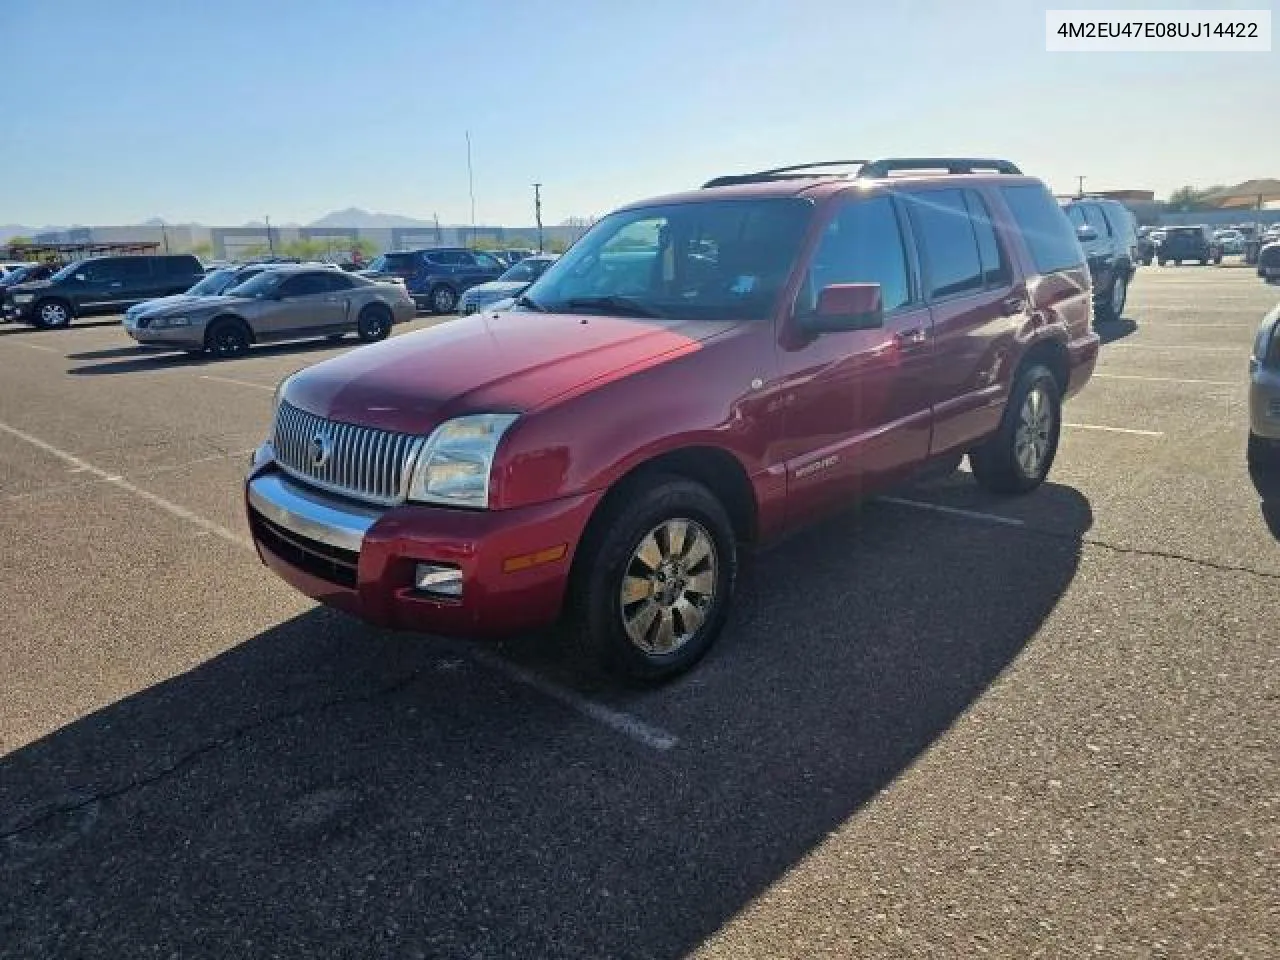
x: 698, y: 373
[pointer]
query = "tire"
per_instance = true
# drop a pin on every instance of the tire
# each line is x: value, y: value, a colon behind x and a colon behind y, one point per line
x: 692, y: 576
x: 227, y: 337
x: 444, y: 299
x: 1109, y: 307
x: 52, y: 314
x: 1017, y: 457
x: 1204, y: 263
x: 1163, y: 261
x: 1261, y: 453
x: 374, y: 324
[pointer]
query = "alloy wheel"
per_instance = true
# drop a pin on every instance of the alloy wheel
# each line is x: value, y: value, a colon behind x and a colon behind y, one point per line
x: 669, y: 586
x: 1032, y: 437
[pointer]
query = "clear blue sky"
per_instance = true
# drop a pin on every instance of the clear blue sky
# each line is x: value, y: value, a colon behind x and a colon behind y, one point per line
x: 128, y: 109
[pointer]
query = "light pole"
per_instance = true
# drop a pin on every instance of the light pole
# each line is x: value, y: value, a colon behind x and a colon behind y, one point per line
x: 537, y: 211
x: 271, y: 247
x: 1080, y: 186
x: 471, y: 187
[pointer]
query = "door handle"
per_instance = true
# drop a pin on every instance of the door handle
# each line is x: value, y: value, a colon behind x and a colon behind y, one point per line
x: 1012, y: 306
x: 914, y: 335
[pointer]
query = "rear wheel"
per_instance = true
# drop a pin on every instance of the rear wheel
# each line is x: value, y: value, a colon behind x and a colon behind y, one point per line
x: 654, y: 579
x: 227, y: 337
x: 374, y: 323
x: 1017, y: 457
x: 51, y: 314
x: 443, y: 299
x: 1110, y: 306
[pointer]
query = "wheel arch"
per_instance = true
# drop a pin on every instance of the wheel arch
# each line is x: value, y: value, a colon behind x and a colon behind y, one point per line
x: 1051, y: 352
x: 235, y: 318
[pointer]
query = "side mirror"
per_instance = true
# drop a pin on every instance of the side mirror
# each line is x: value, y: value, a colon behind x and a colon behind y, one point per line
x: 846, y: 306
x: 1086, y: 234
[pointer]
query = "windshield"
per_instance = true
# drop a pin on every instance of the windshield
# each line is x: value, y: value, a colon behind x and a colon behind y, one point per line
x: 213, y: 284
x: 258, y: 287
x: 68, y: 270
x: 707, y: 260
x: 526, y: 271
x: 392, y: 262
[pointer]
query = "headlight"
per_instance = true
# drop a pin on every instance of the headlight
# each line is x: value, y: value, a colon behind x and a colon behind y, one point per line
x: 454, y: 465
x: 161, y: 322
x: 23, y: 297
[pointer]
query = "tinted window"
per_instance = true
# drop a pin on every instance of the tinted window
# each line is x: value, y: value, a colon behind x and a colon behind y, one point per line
x: 180, y: 266
x: 336, y: 280
x: 995, y: 265
x: 1096, y: 220
x: 102, y: 270
x: 862, y: 244
x: 488, y: 262
x: 447, y: 258
x: 1118, y: 219
x: 134, y: 268
x: 1046, y: 229
x: 305, y: 285
x: 1076, y: 214
x: 950, y: 247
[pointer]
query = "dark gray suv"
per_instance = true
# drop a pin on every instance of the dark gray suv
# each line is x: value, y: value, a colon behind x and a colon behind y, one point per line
x: 1108, y: 233
x: 100, y: 285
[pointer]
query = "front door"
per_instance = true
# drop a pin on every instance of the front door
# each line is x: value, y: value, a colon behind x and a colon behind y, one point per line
x: 856, y: 403
x: 307, y: 304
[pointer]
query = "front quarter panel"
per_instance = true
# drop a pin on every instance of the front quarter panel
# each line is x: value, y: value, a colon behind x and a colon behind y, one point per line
x: 588, y: 439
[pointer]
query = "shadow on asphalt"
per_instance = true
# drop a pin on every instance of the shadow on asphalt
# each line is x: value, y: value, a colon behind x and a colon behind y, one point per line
x: 16, y: 328
x: 1115, y: 330
x: 143, y: 359
x: 324, y: 788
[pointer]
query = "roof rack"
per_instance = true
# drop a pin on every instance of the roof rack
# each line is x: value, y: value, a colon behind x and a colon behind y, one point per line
x: 952, y: 165
x: 870, y: 169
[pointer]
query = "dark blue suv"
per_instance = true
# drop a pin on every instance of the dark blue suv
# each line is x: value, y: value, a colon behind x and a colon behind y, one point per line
x: 437, y: 276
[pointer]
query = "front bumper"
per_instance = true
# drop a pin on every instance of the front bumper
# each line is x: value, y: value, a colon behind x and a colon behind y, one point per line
x: 362, y: 559
x: 1264, y: 401
x: 188, y: 337
x: 19, y: 312
x: 1082, y: 357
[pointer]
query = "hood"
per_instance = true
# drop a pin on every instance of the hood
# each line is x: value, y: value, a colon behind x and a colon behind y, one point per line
x: 160, y: 303
x: 186, y: 302
x: 34, y: 286
x: 497, y: 289
x: 509, y: 362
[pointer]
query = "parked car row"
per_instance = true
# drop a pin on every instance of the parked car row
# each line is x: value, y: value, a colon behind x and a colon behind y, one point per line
x: 700, y: 372
x: 513, y: 282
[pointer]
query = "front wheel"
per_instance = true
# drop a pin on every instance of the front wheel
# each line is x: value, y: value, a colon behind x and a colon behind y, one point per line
x: 654, y: 579
x: 51, y: 314
x: 228, y: 337
x: 1017, y: 457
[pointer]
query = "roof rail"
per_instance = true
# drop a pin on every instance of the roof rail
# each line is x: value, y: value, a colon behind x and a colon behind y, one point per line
x: 796, y: 171
x: 884, y: 168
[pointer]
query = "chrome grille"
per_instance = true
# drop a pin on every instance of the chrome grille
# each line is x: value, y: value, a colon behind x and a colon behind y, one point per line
x: 362, y: 462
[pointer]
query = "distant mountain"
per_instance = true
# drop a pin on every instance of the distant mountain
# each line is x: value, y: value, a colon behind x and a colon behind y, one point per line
x: 355, y: 217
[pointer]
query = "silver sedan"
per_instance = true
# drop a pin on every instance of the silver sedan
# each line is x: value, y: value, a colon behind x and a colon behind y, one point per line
x: 1264, y: 392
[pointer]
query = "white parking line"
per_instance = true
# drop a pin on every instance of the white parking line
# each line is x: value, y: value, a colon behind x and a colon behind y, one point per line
x: 182, y: 513
x: 1125, y: 376
x: 242, y: 383
x: 36, y: 346
x: 623, y: 723
x: 1152, y: 346
x: 616, y: 720
x: 1098, y: 426
x: 149, y: 472
x: 954, y: 511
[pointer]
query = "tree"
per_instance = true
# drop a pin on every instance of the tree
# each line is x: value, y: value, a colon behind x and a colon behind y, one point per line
x: 203, y: 250
x: 254, y: 250
x: 1187, y: 199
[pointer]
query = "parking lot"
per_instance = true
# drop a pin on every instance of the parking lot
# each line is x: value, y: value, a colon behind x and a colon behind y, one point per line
x: 946, y: 724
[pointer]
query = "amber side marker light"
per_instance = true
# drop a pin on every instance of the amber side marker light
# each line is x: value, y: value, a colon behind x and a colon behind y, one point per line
x: 526, y: 560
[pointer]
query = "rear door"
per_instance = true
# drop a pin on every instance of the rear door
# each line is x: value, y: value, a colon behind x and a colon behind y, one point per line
x: 857, y: 402
x: 176, y: 274
x: 976, y: 311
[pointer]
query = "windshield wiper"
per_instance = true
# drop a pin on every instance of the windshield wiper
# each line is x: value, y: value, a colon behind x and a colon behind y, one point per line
x: 526, y: 301
x: 627, y: 306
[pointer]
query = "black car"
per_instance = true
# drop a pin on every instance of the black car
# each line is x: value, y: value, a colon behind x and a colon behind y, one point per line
x: 1109, y: 235
x: 1269, y: 262
x: 100, y: 285
x: 1188, y: 243
x: 437, y: 276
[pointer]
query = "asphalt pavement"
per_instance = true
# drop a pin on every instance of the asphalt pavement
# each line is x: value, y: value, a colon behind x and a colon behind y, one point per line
x: 946, y: 724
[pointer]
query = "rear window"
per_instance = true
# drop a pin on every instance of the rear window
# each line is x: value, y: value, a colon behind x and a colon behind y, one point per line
x: 1045, y: 228
x: 180, y: 266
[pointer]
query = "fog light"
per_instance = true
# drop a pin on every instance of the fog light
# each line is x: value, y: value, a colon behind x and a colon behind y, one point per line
x: 438, y: 580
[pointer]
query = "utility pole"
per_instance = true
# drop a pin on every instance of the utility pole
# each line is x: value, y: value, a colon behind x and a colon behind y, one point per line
x: 471, y: 187
x: 1079, y: 186
x: 439, y: 236
x: 271, y: 247
x: 164, y: 229
x: 537, y: 211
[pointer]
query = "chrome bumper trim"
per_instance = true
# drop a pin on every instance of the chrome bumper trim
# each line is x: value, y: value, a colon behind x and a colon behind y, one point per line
x: 311, y: 513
